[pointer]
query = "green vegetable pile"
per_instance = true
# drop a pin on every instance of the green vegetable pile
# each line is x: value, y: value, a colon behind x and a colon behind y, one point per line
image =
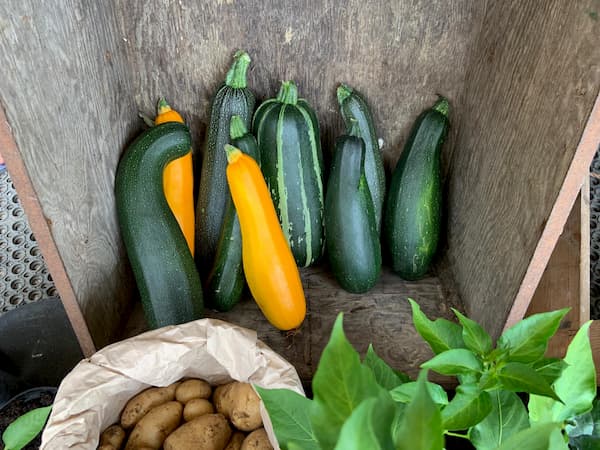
x: 368, y: 405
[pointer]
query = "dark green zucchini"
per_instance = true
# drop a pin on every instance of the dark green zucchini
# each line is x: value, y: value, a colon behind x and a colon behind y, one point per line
x: 232, y: 98
x: 414, y: 201
x: 226, y: 279
x: 287, y: 132
x: 169, y: 285
x: 354, y: 107
x: 352, y: 240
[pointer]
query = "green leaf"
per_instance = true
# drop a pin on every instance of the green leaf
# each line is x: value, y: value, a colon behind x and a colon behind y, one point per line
x: 406, y: 392
x: 474, y: 336
x: 289, y: 413
x: 527, y: 340
x: 385, y: 376
x: 340, y: 384
x: 468, y: 407
x: 576, y: 386
x: 550, y: 368
x: 540, y: 408
x: 440, y: 334
x: 25, y: 428
x: 538, y: 437
x: 519, y: 377
x: 369, y: 426
x: 421, y: 425
x: 557, y: 440
x: 508, y: 417
x: 454, y: 362
x: 397, y: 423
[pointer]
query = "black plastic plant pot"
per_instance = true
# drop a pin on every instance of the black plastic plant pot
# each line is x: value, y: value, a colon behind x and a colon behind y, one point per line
x: 23, y: 403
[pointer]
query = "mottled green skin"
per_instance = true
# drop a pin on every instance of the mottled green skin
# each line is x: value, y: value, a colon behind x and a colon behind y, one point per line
x: 413, y: 207
x: 352, y: 240
x: 163, y: 266
x: 226, y: 279
x: 290, y: 132
x: 213, y: 192
x: 354, y: 107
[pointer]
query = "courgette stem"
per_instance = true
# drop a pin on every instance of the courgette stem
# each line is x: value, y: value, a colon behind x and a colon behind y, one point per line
x: 236, y: 77
x: 288, y: 93
x: 442, y: 106
x: 233, y: 153
x: 237, y: 128
x: 343, y: 92
x: 162, y: 106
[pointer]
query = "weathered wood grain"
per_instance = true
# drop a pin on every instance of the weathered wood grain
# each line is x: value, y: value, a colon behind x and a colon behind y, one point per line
x: 560, y: 286
x: 531, y: 85
x: 399, y: 54
x: 68, y: 100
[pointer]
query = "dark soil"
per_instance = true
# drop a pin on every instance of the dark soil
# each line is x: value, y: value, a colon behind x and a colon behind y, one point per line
x: 22, y: 403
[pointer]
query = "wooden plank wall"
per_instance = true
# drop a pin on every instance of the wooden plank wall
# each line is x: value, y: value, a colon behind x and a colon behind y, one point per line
x: 399, y: 54
x: 68, y: 100
x: 526, y: 100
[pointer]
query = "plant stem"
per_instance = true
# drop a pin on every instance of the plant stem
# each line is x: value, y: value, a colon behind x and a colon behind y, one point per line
x: 450, y: 433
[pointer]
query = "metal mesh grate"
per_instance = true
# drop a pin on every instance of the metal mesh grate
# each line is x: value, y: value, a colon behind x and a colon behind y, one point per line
x: 24, y: 277
x: 595, y: 237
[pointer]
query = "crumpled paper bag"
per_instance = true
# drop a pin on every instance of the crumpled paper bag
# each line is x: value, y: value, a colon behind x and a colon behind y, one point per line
x: 92, y: 396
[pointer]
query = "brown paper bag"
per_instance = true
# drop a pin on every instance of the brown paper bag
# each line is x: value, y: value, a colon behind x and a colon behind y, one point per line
x: 92, y: 395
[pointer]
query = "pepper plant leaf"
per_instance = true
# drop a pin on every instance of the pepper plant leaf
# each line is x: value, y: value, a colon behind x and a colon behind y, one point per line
x: 468, y: 407
x: 341, y: 383
x: 475, y: 337
x: 507, y: 417
x: 25, y: 428
x: 289, y: 413
x: 527, y: 340
x: 518, y: 377
x: 453, y: 362
x: 369, y: 426
x: 385, y: 376
x: 440, y: 334
x: 421, y: 425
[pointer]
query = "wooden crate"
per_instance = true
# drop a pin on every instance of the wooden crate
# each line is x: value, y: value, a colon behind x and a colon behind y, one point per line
x: 522, y: 77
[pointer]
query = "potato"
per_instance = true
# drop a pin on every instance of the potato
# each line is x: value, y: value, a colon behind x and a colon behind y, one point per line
x: 113, y: 436
x: 193, y: 388
x: 197, y: 407
x: 235, y: 443
x: 257, y: 440
x: 107, y: 447
x: 207, y: 432
x: 239, y: 403
x: 138, y: 406
x: 152, y: 429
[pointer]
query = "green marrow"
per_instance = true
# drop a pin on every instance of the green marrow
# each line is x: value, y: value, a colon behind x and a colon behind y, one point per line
x: 226, y: 279
x: 353, y: 106
x: 414, y: 201
x: 352, y: 240
x: 287, y: 132
x: 232, y: 98
x: 163, y: 266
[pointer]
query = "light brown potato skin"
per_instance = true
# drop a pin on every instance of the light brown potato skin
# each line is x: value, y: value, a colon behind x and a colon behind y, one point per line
x: 138, y: 406
x: 257, y: 440
x: 152, y: 430
x: 107, y: 447
x: 235, y: 443
x: 197, y: 407
x: 193, y: 388
x: 207, y: 432
x: 239, y: 403
x: 113, y: 436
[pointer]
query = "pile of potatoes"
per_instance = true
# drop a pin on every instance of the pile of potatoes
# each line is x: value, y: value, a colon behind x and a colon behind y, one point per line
x: 182, y: 417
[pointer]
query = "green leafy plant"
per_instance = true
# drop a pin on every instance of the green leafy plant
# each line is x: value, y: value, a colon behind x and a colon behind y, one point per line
x: 366, y: 404
x: 25, y: 428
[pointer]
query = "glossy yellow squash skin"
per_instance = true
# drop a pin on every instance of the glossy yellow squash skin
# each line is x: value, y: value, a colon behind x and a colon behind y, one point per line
x: 269, y: 266
x: 178, y: 181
